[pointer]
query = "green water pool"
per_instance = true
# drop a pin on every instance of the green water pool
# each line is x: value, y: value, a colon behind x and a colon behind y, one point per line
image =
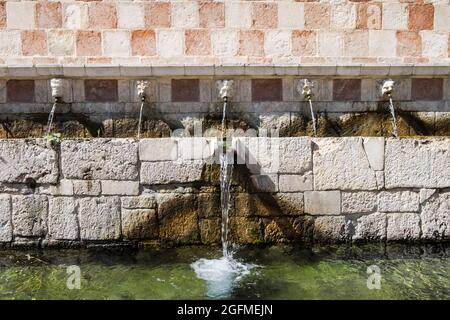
x: 278, y: 272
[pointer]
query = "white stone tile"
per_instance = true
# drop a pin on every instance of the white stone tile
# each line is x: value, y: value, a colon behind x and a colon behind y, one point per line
x: 169, y: 43
x: 277, y: 43
x: 382, y: 43
x: 442, y: 17
x: 224, y: 42
x: 116, y: 43
x: 20, y: 15
x: 185, y: 14
x: 75, y: 15
x: 395, y: 16
x: 238, y: 15
x: 434, y: 44
x: 343, y: 16
x: 10, y: 43
x: 330, y: 44
x: 61, y: 42
x: 291, y: 15
x: 130, y: 15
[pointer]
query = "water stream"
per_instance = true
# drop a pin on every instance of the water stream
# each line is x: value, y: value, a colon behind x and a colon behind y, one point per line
x: 140, y: 118
x: 313, y: 117
x: 394, y: 119
x: 50, y: 118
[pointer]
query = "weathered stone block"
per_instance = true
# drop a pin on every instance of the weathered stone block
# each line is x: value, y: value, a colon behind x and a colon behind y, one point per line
x: 158, y: 149
x: 374, y: 149
x: 120, y: 188
x: 435, y: 216
x: 29, y: 215
x: 63, y: 219
x: 64, y: 188
x: 27, y: 159
x: 295, y: 155
x: 178, y: 218
x: 209, y: 205
x: 428, y: 168
x: 287, y: 229
x: 102, y: 159
x: 255, y: 204
x: 246, y: 230
x: 342, y: 163
x: 264, y: 183
x: 210, y: 230
x: 403, y: 226
x: 322, y: 202
x: 371, y: 227
x: 5, y: 218
x: 359, y: 202
x: 139, y: 224
x: 398, y: 201
x: 99, y: 218
x: 295, y: 183
x: 196, y: 148
x: 86, y: 187
x: 171, y: 172
x: 145, y: 201
x: 332, y: 229
x: 290, y: 203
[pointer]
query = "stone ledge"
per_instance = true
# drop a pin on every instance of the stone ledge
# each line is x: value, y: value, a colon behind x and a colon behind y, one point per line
x: 127, y: 71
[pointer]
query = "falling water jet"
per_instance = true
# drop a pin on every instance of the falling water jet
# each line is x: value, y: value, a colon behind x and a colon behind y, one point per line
x: 56, y: 85
x: 141, y: 86
x: 387, y: 90
x: 306, y: 87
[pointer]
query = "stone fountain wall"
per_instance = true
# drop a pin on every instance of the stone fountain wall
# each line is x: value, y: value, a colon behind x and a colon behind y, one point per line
x: 119, y: 191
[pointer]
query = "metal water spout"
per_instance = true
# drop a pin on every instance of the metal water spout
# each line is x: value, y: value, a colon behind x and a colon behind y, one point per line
x: 387, y: 88
x: 141, y: 87
x: 305, y: 87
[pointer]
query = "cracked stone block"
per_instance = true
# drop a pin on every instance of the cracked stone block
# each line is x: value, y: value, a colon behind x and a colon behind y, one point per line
x: 99, y: 159
x: 63, y: 219
x: 99, y: 218
x: 139, y: 224
x: 359, y: 202
x: 323, y: 202
x: 435, y: 216
x: 29, y: 215
x: 417, y: 163
x: 371, y: 227
x: 342, y: 163
x: 403, y: 226
x: 166, y: 172
x: 332, y: 229
x: 5, y: 218
x: 398, y: 201
x: 22, y: 160
x: 374, y: 148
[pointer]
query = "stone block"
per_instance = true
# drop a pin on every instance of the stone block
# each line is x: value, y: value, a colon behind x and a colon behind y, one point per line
x: 371, y: 227
x: 170, y: 43
x: 29, y: 215
x: 435, y: 217
x: 22, y: 160
x: 267, y: 90
x: 291, y: 204
x: 117, y: 43
x: 20, y: 90
x: 395, y: 16
x: 264, y: 183
x: 61, y: 42
x: 99, y: 159
x: 403, y: 226
x: 295, y: 183
x: 166, y: 172
x: 185, y: 14
x: 63, y: 219
x: 398, y: 201
x: 21, y: 15
x: 342, y: 163
x: 86, y: 187
x: 158, y: 149
x: 246, y: 230
x: 5, y: 218
x: 145, y: 201
x: 139, y: 224
x: 359, y: 202
x: 120, y: 188
x: 332, y: 229
x: 101, y: 90
x: 417, y: 163
x: 322, y: 202
x: 63, y: 188
x: 291, y: 15
x: 130, y: 15
x: 99, y: 218
x: 287, y: 229
x: 427, y: 89
x: 210, y: 230
x: 196, y: 148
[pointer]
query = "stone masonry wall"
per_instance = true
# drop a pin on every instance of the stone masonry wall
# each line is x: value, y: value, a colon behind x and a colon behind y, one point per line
x: 123, y: 191
x: 223, y: 32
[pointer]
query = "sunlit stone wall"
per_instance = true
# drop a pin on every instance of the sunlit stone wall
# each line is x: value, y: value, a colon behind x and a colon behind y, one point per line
x: 223, y: 32
x: 318, y: 190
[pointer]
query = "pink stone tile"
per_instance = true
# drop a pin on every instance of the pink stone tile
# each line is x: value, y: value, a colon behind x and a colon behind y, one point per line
x: 212, y: 14
x: 317, y: 16
x: 369, y: 16
x: 34, y: 43
x: 2, y: 15
x: 421, y: 17
x: 89, y: 43
x: 267, y: 90
x: 48, y: 15
x: 101, y: 90
x: 427, y: 89
x: 409, y: 44
x: 158, y: 14
x: 264, y: 15
x: 185, y: 90
x: 197, y: 42
x: 102, y: 15
x: 251, y: 43
x: 347, y: 89
x: 20, y: 90
x: 356, y: 43
x: 143, y: 42
x: 304, y: 43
